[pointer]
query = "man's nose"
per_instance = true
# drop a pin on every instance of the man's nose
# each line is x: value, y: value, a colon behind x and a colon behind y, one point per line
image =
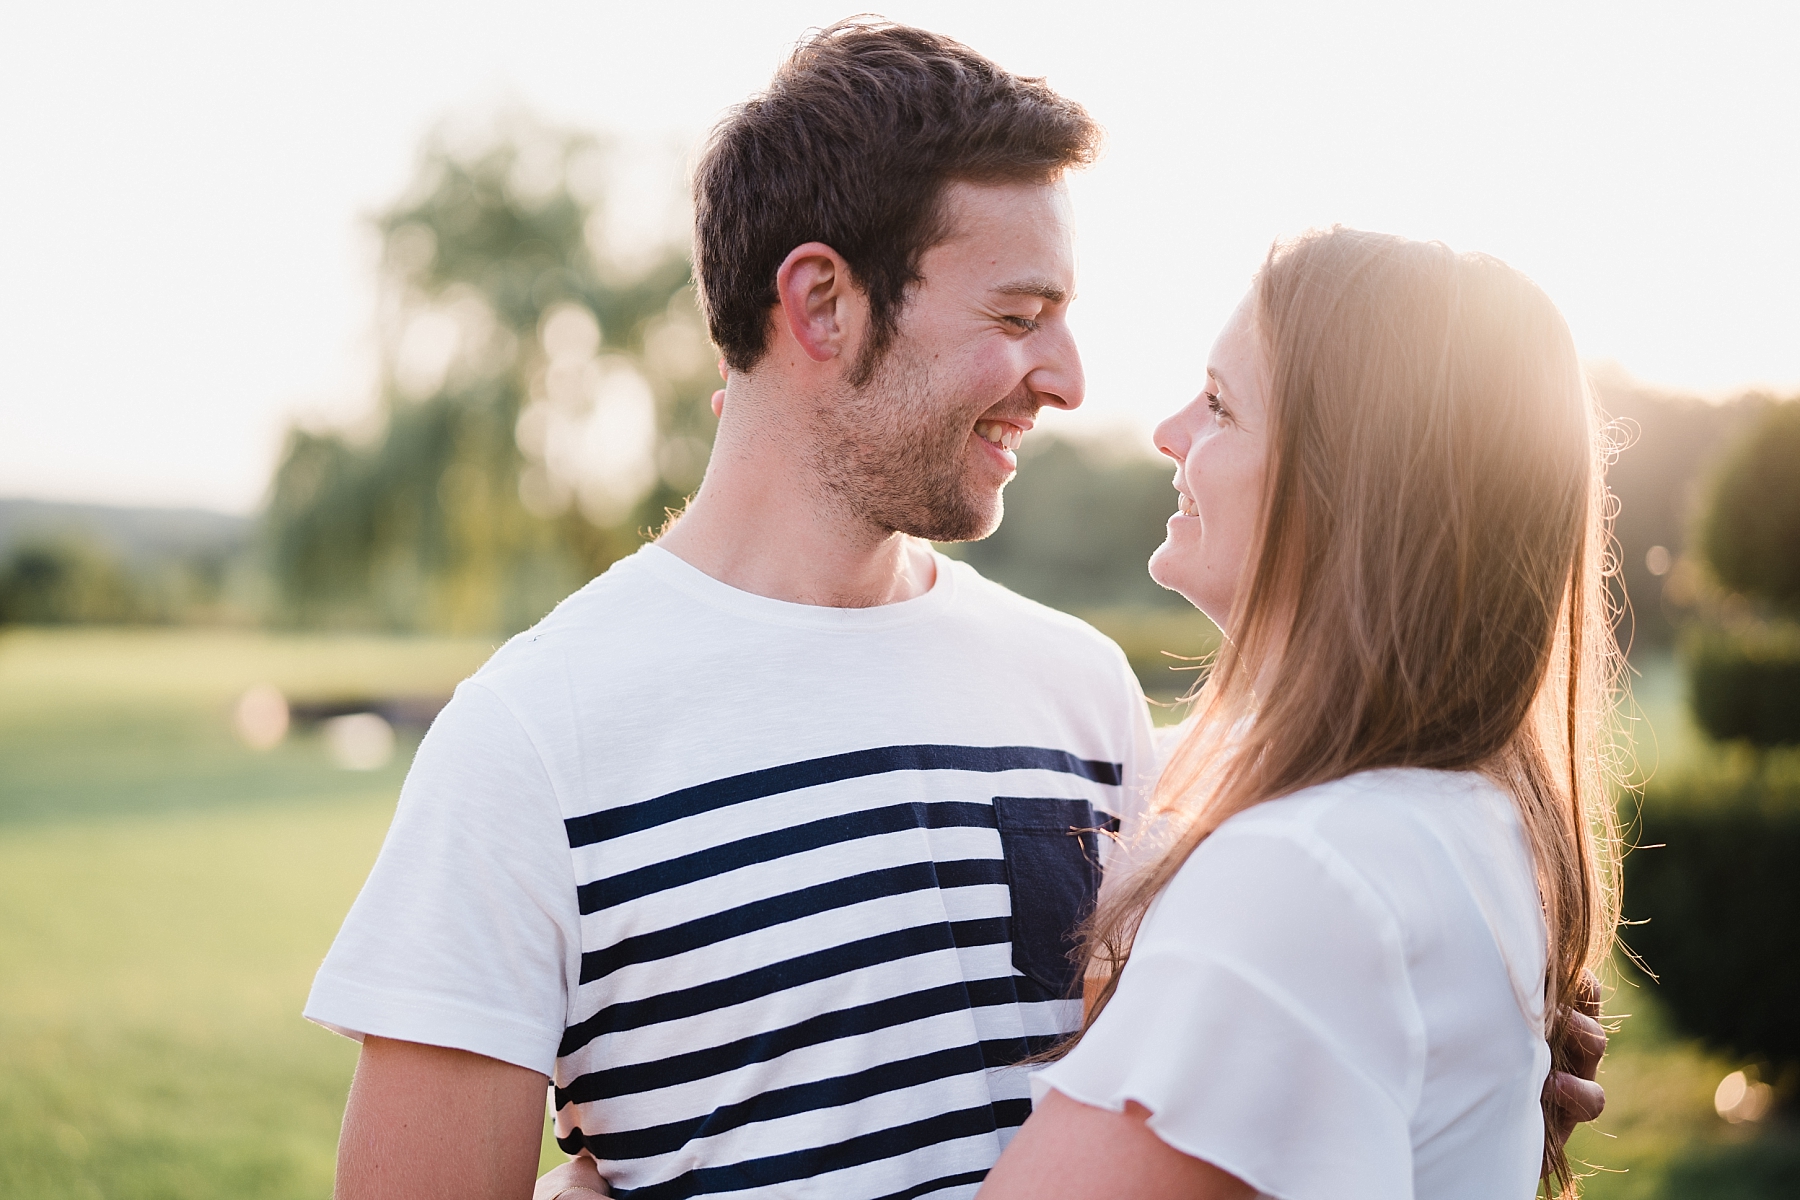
x: 1057, y: 379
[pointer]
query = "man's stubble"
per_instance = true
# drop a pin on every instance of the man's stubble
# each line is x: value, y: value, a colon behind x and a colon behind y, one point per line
x: 890, y: 457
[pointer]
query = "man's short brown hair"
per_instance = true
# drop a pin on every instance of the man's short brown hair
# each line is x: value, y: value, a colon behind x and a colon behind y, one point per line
x: 853, y: 145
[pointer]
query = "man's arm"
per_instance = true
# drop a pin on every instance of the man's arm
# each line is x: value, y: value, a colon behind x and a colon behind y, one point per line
x: 429, y: 1123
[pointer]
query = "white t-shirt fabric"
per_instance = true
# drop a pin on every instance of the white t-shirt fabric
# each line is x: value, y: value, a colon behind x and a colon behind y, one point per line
x: 1340, y: 996
x: 776, y: 894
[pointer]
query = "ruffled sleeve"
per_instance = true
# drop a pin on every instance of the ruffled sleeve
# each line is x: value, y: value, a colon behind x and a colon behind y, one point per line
x: 1266, y: 1021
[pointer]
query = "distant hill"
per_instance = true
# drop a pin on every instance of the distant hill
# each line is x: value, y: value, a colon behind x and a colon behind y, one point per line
x: 63, y: 564
x: 137, y: 536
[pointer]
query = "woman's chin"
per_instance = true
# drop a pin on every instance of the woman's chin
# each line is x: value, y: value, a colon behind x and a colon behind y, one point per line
x: 1166, y: 569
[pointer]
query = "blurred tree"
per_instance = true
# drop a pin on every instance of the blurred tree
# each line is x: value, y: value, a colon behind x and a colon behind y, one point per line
x: 1750, y: 532
x: 542, y: 400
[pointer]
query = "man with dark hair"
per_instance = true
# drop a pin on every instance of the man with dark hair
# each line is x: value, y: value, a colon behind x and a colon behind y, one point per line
x: 853, y: 146
x: 767, y: 845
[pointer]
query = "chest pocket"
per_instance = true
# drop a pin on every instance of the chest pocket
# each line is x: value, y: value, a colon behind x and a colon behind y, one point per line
x: 1052, y: 850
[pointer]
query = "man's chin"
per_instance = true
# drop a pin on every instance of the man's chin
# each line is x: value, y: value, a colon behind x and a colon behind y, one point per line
x: 963, y: 522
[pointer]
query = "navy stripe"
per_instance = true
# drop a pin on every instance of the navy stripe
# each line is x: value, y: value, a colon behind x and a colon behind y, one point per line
x: 789, y: 973
x: 1010, y: 1114
x: 940, y: 1184
x: 772, y: 781
x: 810, y: 1164
x: 781, y: 1102
x: 780, y: 843
x: 1009, y: 1052
x: 790, y: 906
x: 612, y: 1082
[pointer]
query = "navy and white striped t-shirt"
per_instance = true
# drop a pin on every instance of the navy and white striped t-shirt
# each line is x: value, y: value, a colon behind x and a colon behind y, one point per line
x: 775, y: 894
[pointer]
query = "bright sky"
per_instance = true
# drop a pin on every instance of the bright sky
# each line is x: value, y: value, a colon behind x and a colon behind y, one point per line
x: 185, y: 265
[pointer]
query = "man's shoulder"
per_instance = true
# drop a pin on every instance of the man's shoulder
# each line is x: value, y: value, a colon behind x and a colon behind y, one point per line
x: 615, y: 611
x: 1029, y: 623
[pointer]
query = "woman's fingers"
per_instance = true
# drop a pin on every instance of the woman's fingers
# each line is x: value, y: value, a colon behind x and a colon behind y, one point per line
x: 1587, y: 1045
x: 577, y: 1179
x: 1574, y: 1101
x: 1587, y: 1037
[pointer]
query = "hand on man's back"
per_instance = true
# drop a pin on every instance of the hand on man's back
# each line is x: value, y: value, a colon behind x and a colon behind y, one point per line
x: 577, y: 1179
x: 1574, y: 1095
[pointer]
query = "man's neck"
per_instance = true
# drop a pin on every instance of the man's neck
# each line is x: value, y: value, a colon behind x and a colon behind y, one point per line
x: 763, y: 523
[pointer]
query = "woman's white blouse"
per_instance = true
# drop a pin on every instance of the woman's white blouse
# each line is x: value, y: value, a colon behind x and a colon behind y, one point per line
x: 1340, y: 996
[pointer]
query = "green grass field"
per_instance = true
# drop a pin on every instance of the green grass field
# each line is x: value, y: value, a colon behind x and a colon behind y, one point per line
x: 165, y: 895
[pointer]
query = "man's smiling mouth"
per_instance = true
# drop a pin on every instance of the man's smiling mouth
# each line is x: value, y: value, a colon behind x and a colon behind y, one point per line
x: 1000, y: 433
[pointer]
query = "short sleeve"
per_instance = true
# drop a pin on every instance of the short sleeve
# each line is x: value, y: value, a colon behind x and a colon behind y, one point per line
x: 1266, y: 1021
x: 467, y: 932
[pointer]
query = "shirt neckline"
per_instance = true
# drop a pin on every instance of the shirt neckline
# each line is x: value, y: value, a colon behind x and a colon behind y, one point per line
x: 677, y: 572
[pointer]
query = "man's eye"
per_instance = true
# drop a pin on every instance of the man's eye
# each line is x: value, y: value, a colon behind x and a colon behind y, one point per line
x: 1025, y: 324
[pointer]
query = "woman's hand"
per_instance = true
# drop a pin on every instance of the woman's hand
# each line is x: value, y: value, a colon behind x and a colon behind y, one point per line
x: 1573, y: 1095
x: 577, y: 1179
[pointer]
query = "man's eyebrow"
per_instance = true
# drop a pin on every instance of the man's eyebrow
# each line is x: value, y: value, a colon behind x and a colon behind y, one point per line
x: 1034, y: 287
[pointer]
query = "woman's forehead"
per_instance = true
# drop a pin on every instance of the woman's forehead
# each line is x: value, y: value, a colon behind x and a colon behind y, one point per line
x: 1238, y: 361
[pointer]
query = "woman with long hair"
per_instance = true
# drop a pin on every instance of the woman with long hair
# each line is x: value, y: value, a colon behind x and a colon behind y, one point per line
x: 1382, y: 853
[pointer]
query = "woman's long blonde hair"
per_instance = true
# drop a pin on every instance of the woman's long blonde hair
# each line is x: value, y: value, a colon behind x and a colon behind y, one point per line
x: 1429, y: 588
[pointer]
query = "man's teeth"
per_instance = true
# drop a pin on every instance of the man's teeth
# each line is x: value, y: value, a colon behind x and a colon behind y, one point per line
x: 1007, y: 437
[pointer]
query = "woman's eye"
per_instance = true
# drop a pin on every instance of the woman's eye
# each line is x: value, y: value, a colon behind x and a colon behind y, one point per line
x: 1217, y: 409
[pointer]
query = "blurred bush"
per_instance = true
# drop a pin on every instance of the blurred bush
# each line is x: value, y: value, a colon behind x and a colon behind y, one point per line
x: 66, y: 580
x: 1745, y: 682
x: 1742, y: 654
x: 1713, y: 884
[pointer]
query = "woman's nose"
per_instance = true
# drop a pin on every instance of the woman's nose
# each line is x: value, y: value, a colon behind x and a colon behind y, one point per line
x: 1175, y: 436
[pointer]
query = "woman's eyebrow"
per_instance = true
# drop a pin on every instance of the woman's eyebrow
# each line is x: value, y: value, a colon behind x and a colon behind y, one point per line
x: 1218, y: 379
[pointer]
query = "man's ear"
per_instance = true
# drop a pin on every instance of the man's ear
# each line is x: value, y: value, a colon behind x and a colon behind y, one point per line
x: 821, y: 307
